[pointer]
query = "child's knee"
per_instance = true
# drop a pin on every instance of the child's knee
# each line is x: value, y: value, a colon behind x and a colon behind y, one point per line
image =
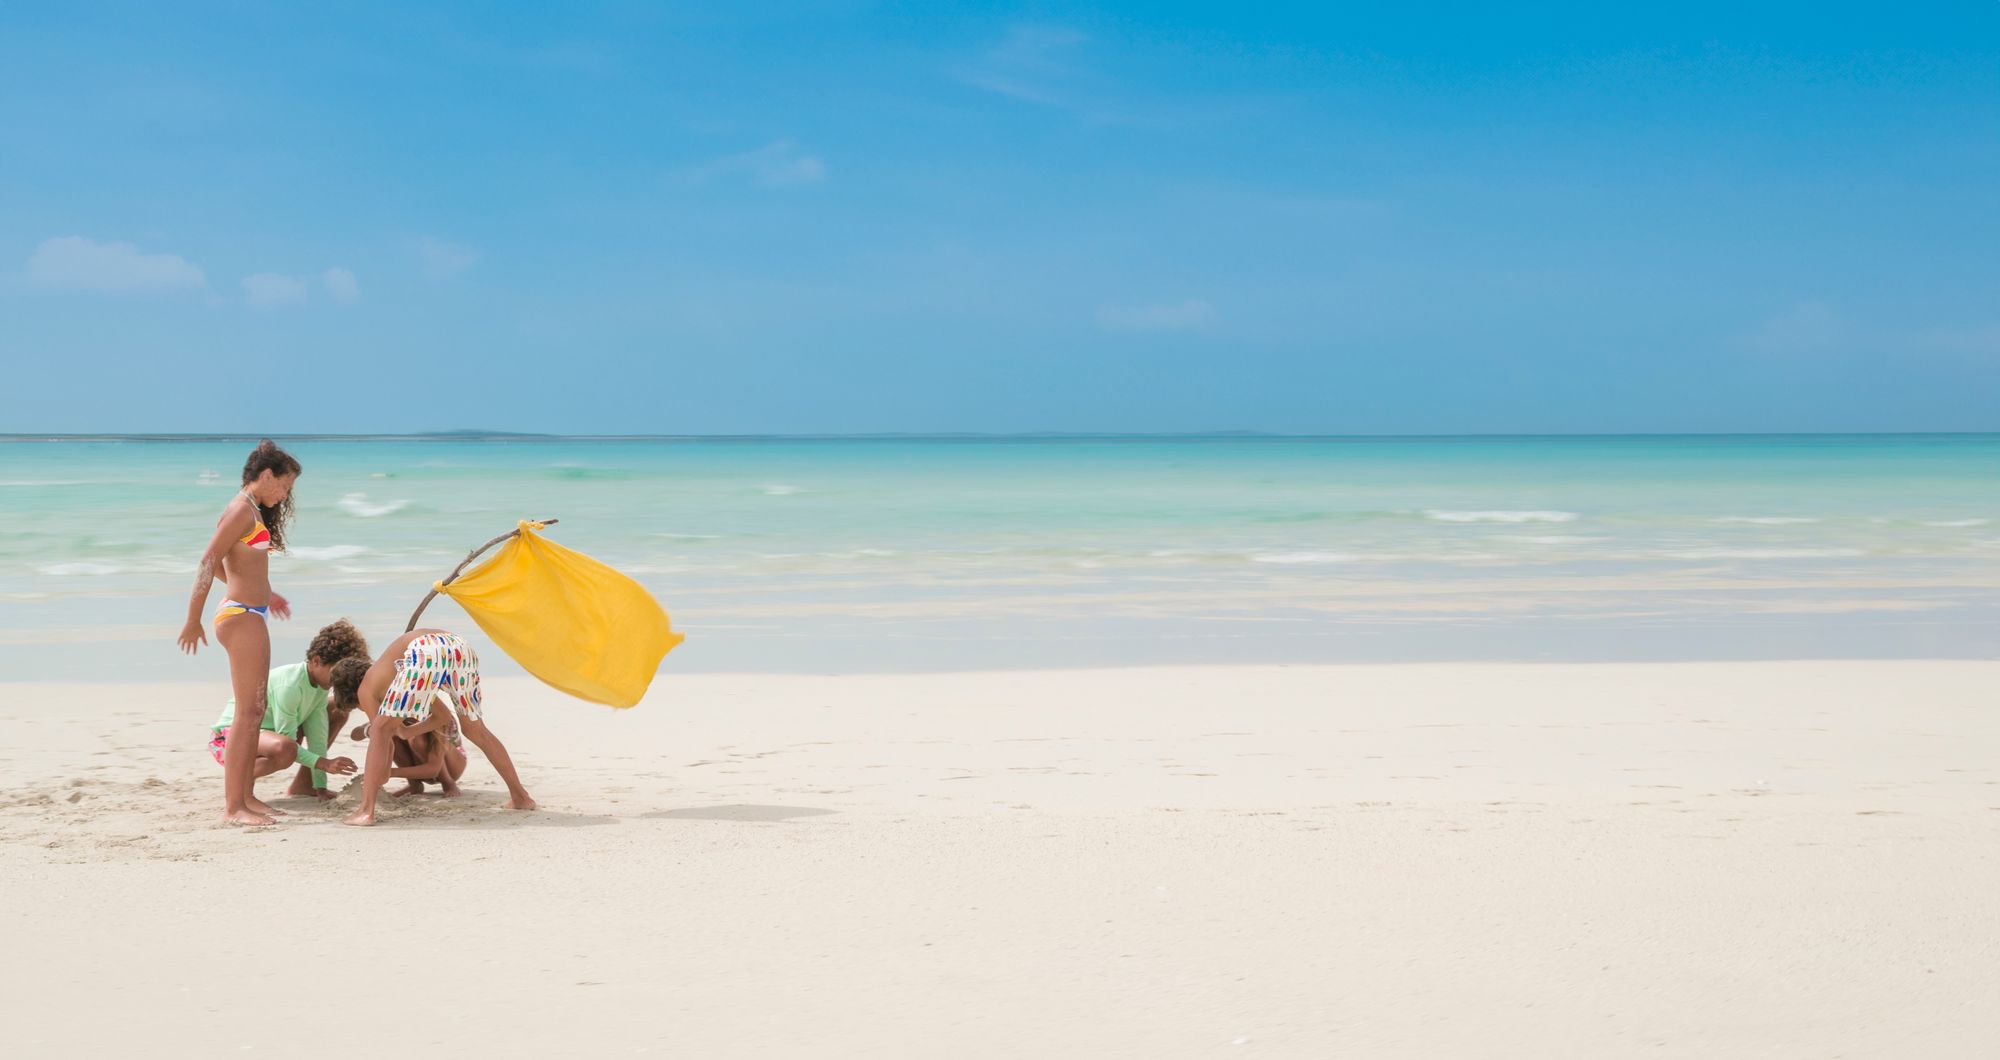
x: 285, y: 749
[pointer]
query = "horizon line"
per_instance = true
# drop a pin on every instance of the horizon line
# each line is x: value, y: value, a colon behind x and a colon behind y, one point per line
x: 1227, y: 435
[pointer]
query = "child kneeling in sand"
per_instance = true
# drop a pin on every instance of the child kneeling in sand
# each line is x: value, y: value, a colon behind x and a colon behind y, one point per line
x: 401, y: 695
x: 294, y: 726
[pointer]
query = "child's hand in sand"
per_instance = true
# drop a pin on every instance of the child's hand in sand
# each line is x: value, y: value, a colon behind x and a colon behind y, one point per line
x: 339, y: 767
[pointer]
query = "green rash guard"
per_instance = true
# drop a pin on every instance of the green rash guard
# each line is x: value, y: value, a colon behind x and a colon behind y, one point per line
x: 291, y: 704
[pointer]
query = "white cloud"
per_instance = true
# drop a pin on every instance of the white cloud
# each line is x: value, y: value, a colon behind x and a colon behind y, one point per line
x: 778, y: 164
x: 443, y: 259
x: 1186, y: 316
x: 1029, y: 64
x: 77, y: 264
x: 1800, y: 329
x: 270, y: 288
x: 1975, y: 344
x: 341, y: 284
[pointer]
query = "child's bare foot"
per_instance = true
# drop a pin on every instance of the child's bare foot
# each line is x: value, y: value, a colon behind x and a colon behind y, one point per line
x: 521, y: 802
x: 360, y: 817
x: 301, y: 785
x: 246, y: 817
x: 408, y: 789
x: 258, y: 805
x: 450, y: 788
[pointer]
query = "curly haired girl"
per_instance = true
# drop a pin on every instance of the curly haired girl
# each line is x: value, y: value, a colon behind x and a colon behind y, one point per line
x: 239, y: 553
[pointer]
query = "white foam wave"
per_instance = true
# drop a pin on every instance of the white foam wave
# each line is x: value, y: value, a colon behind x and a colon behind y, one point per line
x: 1957, y: 522
x: 1765, y: 520
x: 1764, y: 553
x: 84, y: 567
x: 779, y: 489
x: 327, y: 552
x: 1447, y: 516
x: 1550, y: 539
x: 1302, y: 557
x: 359, y: 506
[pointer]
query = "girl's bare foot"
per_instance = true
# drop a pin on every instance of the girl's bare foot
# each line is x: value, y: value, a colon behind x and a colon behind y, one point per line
x: 408, y: 789
x: 246, y: 817
x: 258, y: 805
x: 301, y: 785
x: 450, y: 788
x: 521, y: 802
x: 360, y: 817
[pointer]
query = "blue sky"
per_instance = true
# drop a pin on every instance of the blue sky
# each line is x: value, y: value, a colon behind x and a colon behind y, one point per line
x: 836, y: 217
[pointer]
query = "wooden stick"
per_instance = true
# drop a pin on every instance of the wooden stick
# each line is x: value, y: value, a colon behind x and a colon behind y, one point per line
x: 460, y: 569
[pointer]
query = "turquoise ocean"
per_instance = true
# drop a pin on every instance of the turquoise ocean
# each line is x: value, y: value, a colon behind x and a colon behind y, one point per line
x: 854, y: 555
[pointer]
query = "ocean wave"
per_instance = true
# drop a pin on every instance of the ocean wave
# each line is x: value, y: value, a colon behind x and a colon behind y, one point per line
x: 779, y: 489
x: 1550, y: 539
x: 1765, y: 520
x: 1302, y: 557
x: 358, y: 505
x: 1957, y: 522
x: 82, y: 567
x: 1763, y: 553
x: 31, y: 483
x: 690, y: 537
x: 327, y: 552
x: 1447, y: 516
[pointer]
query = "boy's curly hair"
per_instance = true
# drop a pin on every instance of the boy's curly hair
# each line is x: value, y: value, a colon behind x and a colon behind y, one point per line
x: 336, y: 642
x: 346, y: 681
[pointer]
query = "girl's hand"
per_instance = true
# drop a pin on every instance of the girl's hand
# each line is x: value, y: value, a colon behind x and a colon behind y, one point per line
x: 280, y: 607
x: 192, y: 637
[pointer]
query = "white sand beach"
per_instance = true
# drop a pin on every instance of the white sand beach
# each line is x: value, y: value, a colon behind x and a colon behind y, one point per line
x: 1699, y: 859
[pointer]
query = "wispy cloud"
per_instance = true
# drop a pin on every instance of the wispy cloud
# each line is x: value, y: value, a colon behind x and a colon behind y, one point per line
x: 270, y: 288
x: 778, y: 164
x: 341, y: 284
x: 1190, y: 315
x: 442, y: 259
x: 1976, y: 344
x: 573, y: 56
x: 1039, y: 64
x: 1800, y: 329
x: 74, y: 263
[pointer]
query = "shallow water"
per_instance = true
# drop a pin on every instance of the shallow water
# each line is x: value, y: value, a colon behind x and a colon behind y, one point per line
x: 943, y: 553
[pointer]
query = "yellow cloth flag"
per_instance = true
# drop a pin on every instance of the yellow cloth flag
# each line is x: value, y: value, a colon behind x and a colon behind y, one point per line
x: 570, y: 620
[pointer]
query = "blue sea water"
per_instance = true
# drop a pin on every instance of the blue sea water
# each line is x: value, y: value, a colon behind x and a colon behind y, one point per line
x: 946, y: 553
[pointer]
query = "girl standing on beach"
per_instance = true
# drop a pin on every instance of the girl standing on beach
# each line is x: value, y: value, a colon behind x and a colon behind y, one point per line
x: 252, y: 524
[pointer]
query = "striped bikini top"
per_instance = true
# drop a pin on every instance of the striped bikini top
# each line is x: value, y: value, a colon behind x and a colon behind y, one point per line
x: 259, y: 536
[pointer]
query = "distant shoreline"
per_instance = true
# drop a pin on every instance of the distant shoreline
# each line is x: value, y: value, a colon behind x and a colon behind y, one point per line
x: 973, y: 436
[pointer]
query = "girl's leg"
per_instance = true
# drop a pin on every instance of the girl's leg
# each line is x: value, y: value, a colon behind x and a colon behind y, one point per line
x: 405, y: 758
x: 496, y: 753
x: 248, y: 642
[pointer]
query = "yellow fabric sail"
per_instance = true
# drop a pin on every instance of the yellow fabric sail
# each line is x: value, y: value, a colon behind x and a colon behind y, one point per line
x: 570, y: 620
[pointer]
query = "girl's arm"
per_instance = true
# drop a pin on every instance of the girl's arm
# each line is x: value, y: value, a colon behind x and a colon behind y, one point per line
x: 433, y: 767
x: 235, y: 523
x: 432, y: 722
